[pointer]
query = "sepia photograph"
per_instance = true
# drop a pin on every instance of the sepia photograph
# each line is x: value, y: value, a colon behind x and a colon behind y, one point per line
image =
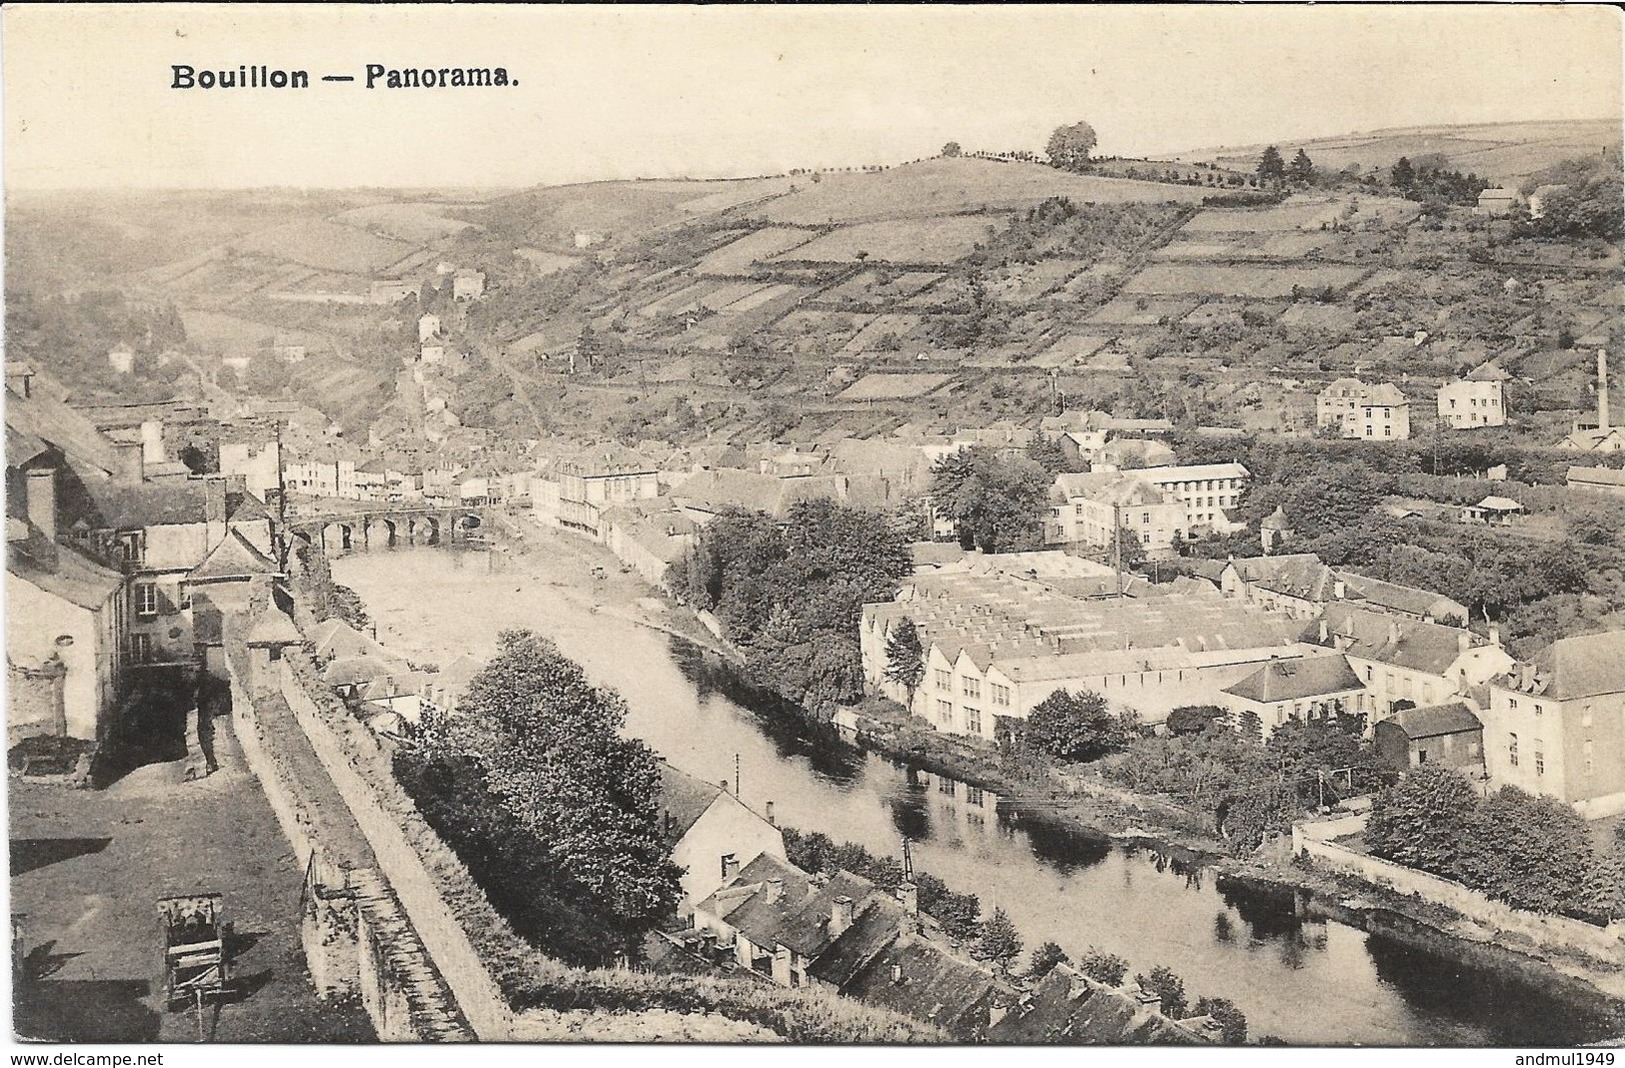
x: 877, y: 525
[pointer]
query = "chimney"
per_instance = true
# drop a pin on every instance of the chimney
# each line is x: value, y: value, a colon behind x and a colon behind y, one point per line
x: 909, y: 895
x: 214, y: 509
x: 840, y: 915
x: 730, y: 867
x: 1393, y: 632
x: 1148, y: 1000
x: 41, y: 501
x: 897, y: 974
x: 1495, y: 635
x: 769, y: 814
x: 152, y: 442
x: 1325, y: 632
x: 1602, y: 389
x: 775, y: 890
x: 20, y: 379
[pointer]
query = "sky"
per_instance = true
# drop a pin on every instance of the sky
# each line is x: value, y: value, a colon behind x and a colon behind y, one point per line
x: 732, y: 91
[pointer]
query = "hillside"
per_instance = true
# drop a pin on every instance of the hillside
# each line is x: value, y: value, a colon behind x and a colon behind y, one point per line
x: 1507, y: 152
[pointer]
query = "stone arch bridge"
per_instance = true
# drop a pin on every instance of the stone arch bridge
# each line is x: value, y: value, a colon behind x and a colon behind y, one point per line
x: 386, y: 526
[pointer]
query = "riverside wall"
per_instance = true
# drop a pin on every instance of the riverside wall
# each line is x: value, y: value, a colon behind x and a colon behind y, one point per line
x: 1314, y: 839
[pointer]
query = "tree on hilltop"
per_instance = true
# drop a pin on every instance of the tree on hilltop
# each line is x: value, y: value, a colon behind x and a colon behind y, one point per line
x: 1271, y: 168
x: 1069, y: 146
x: 1302, y: 168
x: 951, y: 149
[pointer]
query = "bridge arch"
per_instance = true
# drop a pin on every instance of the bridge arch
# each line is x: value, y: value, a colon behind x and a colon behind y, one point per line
x: 380, y: 532
x: 338, y: 537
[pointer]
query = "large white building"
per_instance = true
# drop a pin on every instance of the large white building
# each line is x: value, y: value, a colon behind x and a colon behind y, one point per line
x: 1361, y: 410
x: 1084, y: 509
x: 1475, y: 401
x: 1207, y: 491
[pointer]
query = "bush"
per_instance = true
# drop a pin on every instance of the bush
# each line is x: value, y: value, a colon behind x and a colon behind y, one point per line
x: 1103, y: 967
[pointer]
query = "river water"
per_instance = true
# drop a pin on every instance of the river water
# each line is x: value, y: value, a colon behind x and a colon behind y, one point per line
x: 1306, y: 981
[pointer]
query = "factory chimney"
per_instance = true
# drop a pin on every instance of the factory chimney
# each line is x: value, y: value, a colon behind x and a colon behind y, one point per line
x: 1602, y: 390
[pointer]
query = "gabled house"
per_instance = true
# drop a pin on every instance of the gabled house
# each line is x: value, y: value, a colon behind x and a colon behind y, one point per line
x: 712, y: 834
x: 1306, y: 687
x: 1298, y: 584
x: 1556, y: 724
x: 1449, y: 734
x: 1405, y: 663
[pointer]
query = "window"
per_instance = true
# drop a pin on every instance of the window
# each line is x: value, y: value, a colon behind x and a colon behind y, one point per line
x: 973, y: 796
x: 1540, y: 757
x: 1589, y: 763
x: 1537, y: 708
x: 130, y: 547
x: 945, y: 711
x: 946, y: 785
x: 1512, y: 702
x: 146, y: 599
x: 945, y: 680
x: 140, y: 648
x: 185, y: 601
x: 1585, y: 717
x: 1001, y: 694
x: 973, y: 721
x: 973, y: 687
x: 1421, y: 756
x: 1145, y: 518
x: 1512, y: 749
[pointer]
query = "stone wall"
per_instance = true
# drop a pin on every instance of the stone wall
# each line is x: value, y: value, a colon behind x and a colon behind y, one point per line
x: 356, y: 934
x: 1313, y: 839
x: 476, y: 993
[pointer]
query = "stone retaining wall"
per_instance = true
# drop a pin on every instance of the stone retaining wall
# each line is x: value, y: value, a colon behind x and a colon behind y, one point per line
x: 476, y: 993
x: 1312, y: 839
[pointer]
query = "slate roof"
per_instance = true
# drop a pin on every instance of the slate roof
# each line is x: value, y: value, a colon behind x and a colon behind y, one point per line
x: 1569, y: 668
x: 46, y: 417
x: 356, y: 670
x: 71, y: 576
x: 684, y: 799
x: 1499, y: 504
x: 1410, y: 600
x: 1426, y: 647
x: 935, y: 985
x: 273, y: 627
x: 876, y: 927
x: 1067, y: 1007
x: 1596, y: 476
x: 22, y: 446
x: 1301, y: 575
x: 234, y: 558
x: 1297, y: 679
x: 1430, y: 721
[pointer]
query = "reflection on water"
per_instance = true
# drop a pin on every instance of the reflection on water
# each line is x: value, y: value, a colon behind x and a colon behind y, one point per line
x: 1304, y: 980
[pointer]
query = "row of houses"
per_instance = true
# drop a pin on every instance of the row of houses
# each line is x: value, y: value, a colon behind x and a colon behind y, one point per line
x: 1272, y: 639
x: 119, y: 583
x: 754, y: 915
x: 1381, y: 411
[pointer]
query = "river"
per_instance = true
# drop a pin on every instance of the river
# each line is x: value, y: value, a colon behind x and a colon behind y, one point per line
x: 1306, y: 981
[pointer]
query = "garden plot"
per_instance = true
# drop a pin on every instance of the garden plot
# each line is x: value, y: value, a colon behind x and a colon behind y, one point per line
x: 943, y: 240
x: 1070, y: 349
x: 546, y: 262
x: 1221, y: 280
x: 1199, y: 250
x: 1334, y: 317
x: 681, y: 302
x: 899, y: 325
x: 874, y: 286
x: 893, y: 387
x: 1143, y: 311
x: 1303, y: 214
x: 1025, y: 283
x: 737, y: 257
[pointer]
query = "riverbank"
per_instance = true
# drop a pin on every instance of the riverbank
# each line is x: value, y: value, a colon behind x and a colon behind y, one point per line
x: 1077, y: 887
x: 1082, y: 803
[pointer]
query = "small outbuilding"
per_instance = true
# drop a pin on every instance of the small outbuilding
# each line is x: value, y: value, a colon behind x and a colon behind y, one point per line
x: 1449, y: 734
x: 1496, y: 511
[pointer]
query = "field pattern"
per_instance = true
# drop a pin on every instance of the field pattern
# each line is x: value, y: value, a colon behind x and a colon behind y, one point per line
x: 943, y: 240
x: 1238, y: 281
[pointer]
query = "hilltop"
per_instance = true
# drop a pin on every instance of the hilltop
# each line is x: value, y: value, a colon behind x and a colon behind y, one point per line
x: 1506, y: 152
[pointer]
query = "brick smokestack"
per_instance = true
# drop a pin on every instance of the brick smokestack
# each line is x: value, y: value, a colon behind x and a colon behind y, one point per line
x: 1602, y: 389
x: 840, y: 915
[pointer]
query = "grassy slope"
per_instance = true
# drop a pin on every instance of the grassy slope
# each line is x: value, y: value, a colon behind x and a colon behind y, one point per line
x: 948, y: 186
x: 1504, y: 151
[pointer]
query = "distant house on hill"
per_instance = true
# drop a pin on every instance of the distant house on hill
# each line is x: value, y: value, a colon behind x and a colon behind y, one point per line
x: 1496, y: 511
x: 1496, y: 201
x: 1368, y: 412
x: 1474, y: 401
